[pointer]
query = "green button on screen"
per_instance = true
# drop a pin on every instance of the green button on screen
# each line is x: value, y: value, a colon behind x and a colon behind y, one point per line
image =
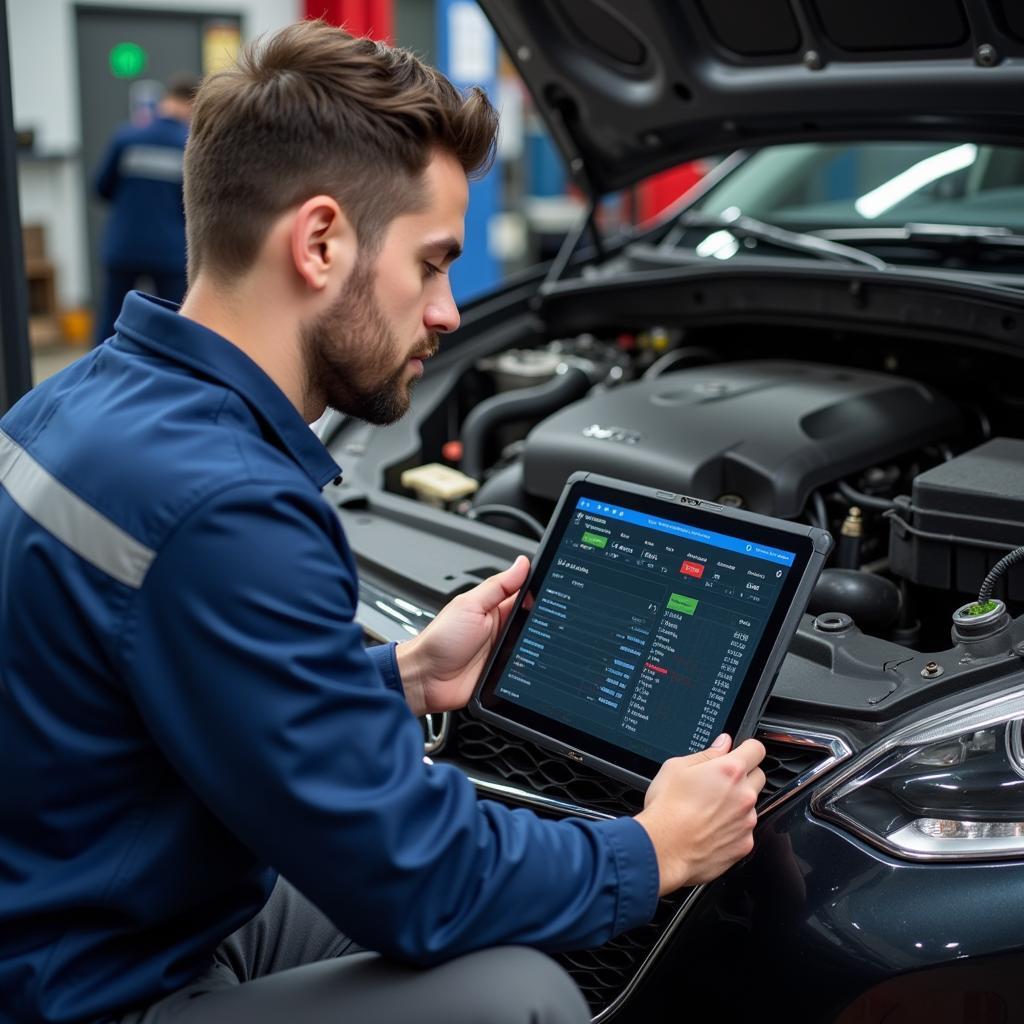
x: 595, y: 540
x: 681, y: 603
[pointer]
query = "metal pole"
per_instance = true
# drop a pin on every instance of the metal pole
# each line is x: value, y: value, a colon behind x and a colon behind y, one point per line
x: 15, y: 361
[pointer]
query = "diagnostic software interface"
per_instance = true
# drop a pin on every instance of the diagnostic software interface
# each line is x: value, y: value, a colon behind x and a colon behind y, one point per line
x: 643, y: 629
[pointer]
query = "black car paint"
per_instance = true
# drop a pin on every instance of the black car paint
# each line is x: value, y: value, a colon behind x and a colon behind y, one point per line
x: 814, y: 919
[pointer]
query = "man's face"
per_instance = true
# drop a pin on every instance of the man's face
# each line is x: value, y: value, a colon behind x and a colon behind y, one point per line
x: 366, y: 352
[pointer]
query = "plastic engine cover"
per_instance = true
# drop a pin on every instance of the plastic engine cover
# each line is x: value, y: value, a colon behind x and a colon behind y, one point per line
x: 768, y: 432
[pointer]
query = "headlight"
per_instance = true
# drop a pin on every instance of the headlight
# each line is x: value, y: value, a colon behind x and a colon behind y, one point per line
x: 950, y: 788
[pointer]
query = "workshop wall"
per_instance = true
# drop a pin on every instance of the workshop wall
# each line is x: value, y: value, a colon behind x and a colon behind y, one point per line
x: 44, y: 70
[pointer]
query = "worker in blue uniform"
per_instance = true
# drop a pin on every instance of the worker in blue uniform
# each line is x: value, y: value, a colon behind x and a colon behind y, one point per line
x: 140, y: 176
x: 215, y: 806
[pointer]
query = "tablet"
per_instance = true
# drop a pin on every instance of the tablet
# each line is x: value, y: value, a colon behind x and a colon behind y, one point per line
x: 650, y: 623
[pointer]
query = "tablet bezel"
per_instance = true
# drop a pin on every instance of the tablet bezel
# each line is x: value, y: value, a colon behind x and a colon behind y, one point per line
x: 809, y: 545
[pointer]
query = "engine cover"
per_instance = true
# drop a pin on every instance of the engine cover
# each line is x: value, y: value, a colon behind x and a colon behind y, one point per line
x: 769, y: 432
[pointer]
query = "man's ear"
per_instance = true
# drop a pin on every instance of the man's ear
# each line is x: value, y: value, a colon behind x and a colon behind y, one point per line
x: 323, y: 242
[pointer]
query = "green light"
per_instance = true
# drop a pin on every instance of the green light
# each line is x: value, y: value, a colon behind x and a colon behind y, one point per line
x: 127, y: 60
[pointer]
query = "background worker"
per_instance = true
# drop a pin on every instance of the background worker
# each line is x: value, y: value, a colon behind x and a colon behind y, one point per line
x: 141, y: 176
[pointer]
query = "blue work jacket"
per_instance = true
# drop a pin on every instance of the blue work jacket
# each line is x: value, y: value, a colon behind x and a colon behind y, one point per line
x: 141, y: 176
x: 187, y: 706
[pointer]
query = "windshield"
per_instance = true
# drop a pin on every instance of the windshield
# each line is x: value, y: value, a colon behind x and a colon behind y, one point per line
x: 821, y: 186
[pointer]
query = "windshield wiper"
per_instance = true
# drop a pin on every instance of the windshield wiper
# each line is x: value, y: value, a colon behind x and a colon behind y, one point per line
x: 742, y: 226
x: 953, y: 237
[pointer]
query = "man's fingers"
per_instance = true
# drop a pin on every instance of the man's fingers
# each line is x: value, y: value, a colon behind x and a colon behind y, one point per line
x: 502, y: 585
x: 751, y: 753
x: 717, y: 749
x: 505, y: 609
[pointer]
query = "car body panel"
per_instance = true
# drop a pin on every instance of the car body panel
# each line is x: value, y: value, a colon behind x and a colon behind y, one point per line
x: 813, y: 919
x: 627, y: 90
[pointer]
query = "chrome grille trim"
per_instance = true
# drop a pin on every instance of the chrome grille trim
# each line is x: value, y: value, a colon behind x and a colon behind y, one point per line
x: 435, y: 731
x: 837, y: 747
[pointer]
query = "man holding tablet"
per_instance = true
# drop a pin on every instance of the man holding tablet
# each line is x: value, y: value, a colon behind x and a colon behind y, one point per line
x: 206, y: 721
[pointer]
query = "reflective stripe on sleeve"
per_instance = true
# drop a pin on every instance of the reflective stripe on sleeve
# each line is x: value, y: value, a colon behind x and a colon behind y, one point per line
x: 160, y: 163
x: 74, y: 522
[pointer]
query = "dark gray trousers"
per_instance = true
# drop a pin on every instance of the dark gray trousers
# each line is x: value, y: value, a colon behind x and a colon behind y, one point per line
x: 290, y: 965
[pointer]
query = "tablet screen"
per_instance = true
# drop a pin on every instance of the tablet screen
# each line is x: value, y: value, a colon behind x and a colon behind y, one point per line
x: 644, y: 628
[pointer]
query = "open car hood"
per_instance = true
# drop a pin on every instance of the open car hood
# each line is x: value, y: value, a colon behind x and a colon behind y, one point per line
x: 630, y: 88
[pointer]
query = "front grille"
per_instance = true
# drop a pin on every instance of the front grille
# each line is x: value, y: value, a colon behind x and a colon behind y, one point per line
x: 602, y: 974
x: 521, y: 763
x: 524, y: 764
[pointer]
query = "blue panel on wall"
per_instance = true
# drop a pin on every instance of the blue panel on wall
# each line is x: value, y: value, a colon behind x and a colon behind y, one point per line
x: 468, y: 55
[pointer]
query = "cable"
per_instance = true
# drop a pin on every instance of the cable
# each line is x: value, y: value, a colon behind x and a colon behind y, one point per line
x: 512, y: 512
x: 855, y: 497
x: 997, y: 570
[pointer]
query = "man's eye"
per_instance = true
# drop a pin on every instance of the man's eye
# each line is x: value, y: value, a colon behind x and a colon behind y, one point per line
x: 431, y: 270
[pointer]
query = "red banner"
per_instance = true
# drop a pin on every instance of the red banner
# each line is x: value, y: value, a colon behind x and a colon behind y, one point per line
x: 373, y: 18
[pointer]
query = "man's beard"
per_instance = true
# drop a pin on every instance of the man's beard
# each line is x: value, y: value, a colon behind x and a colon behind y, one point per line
x: 347, y: 352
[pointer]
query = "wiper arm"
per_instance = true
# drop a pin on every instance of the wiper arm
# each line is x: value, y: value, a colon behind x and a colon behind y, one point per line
x: 743, y: 226
x: 946, y: 236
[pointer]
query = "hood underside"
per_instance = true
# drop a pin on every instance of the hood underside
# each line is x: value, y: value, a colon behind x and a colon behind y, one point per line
x: 628, y: 89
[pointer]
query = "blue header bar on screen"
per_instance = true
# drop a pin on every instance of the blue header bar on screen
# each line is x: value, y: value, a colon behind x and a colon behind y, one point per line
x: 718, y: 540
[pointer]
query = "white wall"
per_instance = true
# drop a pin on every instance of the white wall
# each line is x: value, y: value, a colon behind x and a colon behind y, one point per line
x: 44, y: 74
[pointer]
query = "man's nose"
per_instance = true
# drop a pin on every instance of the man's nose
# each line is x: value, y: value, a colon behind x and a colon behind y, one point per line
x: 441, y: 314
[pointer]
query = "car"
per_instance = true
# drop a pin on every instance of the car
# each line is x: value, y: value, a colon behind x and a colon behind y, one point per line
x: 829, y: 326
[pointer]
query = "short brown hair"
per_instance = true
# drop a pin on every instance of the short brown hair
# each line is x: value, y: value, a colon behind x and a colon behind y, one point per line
x: 313, y: 110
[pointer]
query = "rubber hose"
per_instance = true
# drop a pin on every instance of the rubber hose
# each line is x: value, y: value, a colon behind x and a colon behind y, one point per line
x: 873, y: 602
x: 509, y: 512
x: 855, y: 497
x: 566, y: 386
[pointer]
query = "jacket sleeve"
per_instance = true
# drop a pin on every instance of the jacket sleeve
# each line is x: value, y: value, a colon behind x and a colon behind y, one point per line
x: 385, y: 660
x: 250, y: 672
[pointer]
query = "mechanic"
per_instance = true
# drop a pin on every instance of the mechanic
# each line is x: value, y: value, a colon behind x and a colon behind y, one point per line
x: 187, y: 707
x: 140, y: 175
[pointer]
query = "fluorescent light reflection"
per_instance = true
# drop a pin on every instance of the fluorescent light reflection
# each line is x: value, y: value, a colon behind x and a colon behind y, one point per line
x: 720, y: 244
x: 876, y: 202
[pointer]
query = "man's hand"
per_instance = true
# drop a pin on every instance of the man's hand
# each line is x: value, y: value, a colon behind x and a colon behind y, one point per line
x: 440, y: 667
x: 699, y: 812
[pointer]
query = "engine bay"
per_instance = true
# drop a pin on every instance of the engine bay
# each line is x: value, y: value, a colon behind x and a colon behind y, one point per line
x: 831, y: 443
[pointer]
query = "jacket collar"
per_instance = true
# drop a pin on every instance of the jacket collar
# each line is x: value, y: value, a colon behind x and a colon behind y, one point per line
x: 157, y: 326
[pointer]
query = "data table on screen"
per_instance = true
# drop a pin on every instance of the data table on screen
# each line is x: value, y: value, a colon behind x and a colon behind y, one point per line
x: 642, y: 630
